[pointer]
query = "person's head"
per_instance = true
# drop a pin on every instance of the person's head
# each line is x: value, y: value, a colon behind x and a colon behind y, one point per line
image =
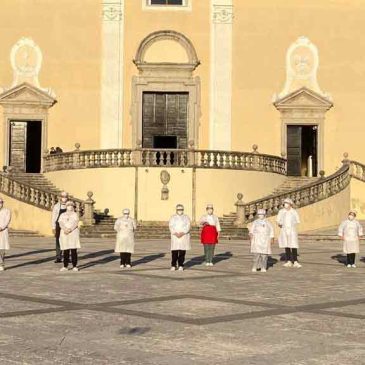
x: 210, y: 209
x: 261, y: 213
x: 1, y: 202
x: 70, y: 207
x: 126, y: 212
x: 352, y: 215
x: 64, y: 197
x: 180, y: 209
x: 288, y: 203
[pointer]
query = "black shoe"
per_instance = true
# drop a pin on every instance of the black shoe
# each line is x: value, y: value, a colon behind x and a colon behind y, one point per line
x: 58, y: 261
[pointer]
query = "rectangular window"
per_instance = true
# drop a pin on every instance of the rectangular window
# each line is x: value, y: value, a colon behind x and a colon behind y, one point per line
x: 166, y: 2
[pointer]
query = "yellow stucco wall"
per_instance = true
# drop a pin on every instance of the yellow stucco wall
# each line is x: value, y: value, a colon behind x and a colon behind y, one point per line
x: 358, y: 198
x: 25, y: 216
x: 114, y: 188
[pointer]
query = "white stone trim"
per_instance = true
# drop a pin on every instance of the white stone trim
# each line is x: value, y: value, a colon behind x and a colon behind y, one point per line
x: 112, y: 74
x: 187, y: 6
x: 220, y: 75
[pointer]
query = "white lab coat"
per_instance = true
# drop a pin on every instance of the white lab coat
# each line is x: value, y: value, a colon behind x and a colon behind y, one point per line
x: 288, y: 236
x: 69, y: 220
x: 56, y: 212
x: 5, y: 217
x: 262, y: 232
x: 125, y: 227
x: 178, y: 224
x: 212, y: 220
x: 351, y: 232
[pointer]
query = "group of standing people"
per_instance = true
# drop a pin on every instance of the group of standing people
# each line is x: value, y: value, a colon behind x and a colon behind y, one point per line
x: 65, y: 225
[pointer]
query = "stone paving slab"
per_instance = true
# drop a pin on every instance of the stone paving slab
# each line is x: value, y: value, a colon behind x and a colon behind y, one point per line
x: 205, y: 315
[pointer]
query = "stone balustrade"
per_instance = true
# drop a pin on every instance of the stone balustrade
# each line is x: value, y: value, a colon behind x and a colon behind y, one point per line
x: 323, y: 188
x: 79, y: 159
x: 10, y: 186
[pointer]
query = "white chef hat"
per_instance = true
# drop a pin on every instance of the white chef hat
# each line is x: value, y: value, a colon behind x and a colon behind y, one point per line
x: 209, y: 206
x: 261, y: 211
x: 289, y: 201
x: 126, y: 211
x: 353, y: 212
x: 179, y: 207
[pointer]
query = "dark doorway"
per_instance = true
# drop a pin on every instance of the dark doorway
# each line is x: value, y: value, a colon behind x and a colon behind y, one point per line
x: 302, y: 152
x: 25, y: 145
x: 164, y: 120
x: 165, y: 142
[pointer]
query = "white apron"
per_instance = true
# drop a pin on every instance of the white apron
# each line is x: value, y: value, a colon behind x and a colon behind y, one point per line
x: 350, y: 231
x: 262, y: 232
x: 125, y: 228
x: 288, y: 236
x: 180, y: 223
x: 71, y: 240
x: 5, y: 217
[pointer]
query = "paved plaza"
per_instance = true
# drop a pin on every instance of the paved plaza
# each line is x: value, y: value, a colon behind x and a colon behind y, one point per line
x: 205, y: 315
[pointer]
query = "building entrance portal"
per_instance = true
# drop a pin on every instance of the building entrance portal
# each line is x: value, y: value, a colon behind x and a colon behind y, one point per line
x: 25, y: 141
x: 302, y: 150
x: 164, y: 120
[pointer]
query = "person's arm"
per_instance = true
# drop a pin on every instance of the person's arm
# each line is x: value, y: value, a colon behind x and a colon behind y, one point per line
x: 7, y: 220
x: 55, y: 212
x: 279, y: 219
x: 134, y: 224
x: 218, y: 225
x: 271, y: 232
x: 116, y: 225
x: 361, y: 231
x: 341, y: 229
x: 296, y: 215
x: 75, y: 222
x: 187, y: 226
x: 251, y: 229
x: 172, y: 227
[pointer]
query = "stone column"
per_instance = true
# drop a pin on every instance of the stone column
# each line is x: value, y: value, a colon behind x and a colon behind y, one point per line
x: 112, y: 83
x: 221, y: 74
x: 88, y: 217
x: 240, y: 211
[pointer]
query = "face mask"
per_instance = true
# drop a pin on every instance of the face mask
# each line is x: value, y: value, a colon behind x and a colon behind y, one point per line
x: 180, y: 212
x: 261, y: 216
x: 126, y: 215
x: 210, y: 211
x: 351, y: 217
x: 286, y: 205
x: 70, y: 209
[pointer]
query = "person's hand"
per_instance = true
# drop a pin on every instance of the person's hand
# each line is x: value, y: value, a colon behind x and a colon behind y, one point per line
x: 272, y: 241
x: 341, y: 237
x: 280, y: 225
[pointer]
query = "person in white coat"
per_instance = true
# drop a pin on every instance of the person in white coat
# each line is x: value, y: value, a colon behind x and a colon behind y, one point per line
x: 125, y: 227
x: 5, y: 218
x: 287, y: 220
x: 350, y: 231
x: 209, y: 233
x: 262, y: 237
x: 70, y: 236
x: 179, y: 225
x: 58, y: 209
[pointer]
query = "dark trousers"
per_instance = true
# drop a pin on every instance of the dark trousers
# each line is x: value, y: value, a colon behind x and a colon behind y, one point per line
x: 177, y: 257
x: 66, y: 257
x: 125, y: 258
x: 291, y: 254
x: 351, y: 259
x: 58, y: 247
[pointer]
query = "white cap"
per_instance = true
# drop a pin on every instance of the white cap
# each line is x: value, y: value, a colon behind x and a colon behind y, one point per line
x: 209, y: 206
x: 126, y: 211
x: 179, y: 207
x: 289, y: 201
x: 261, y: 211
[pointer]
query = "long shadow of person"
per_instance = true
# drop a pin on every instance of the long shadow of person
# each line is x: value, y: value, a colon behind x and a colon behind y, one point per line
x: 271, y: 262
x: 362, y: 259
x: 342, y: 259
x: 103, y: 261
x: 222, y: 256
x: 198, y: 260
x: 147, y: 259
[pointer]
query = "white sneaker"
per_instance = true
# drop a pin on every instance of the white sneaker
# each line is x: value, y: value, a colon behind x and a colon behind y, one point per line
x: 263, y: 270
x: 122, y: 266
x: 75, y: 269
x: 254, y: 269
x: 288, y: 264
x: 2, y: 268
x: 207, y: 264
x: 173, y: 268
x: 211, y: 264
x: 353, y: 266
x: 63, y: 269
x: 348, y: 265
x: 181, y: 268
x: 297, y: 265
x: 128, y: 266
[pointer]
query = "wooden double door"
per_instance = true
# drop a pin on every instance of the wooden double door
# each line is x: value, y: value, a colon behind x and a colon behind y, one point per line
x: 302, y: 150
x: 25, y: 145
x: 165, y: 120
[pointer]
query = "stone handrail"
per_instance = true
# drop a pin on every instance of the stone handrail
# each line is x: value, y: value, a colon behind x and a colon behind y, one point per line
x: 357, y: 170
x: 80, y: 159
x: 314, y: 192
x: 42, y: 198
